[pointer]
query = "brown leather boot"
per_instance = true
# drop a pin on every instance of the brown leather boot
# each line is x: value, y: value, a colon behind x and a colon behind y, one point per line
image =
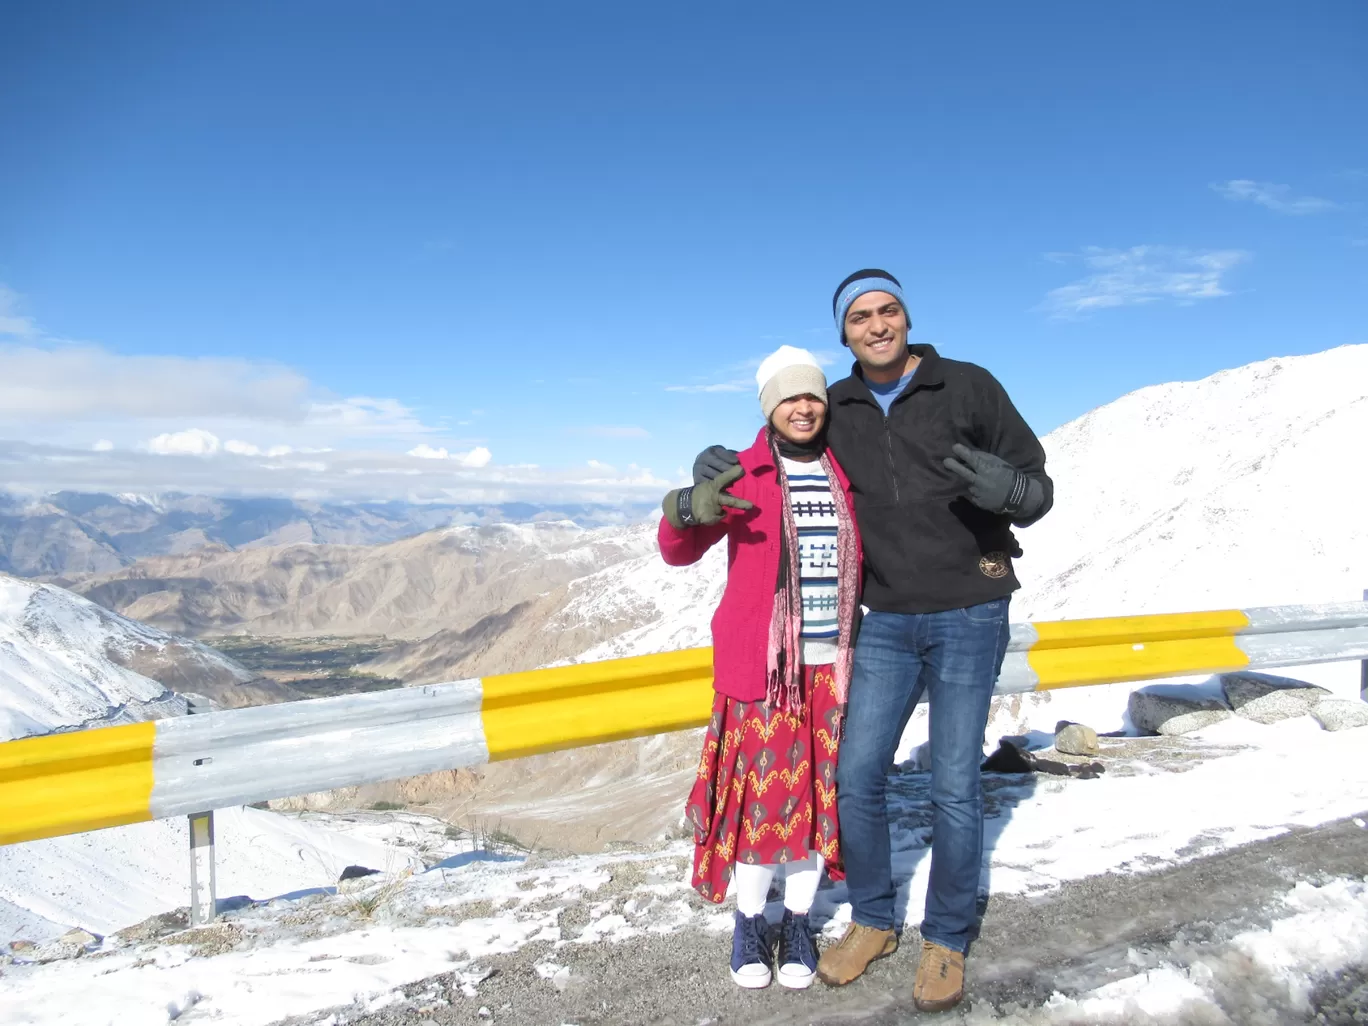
x: 850, y: 956
x: 940, y: 978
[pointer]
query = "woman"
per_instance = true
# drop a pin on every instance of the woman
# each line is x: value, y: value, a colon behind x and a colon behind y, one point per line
x: 766, y: 788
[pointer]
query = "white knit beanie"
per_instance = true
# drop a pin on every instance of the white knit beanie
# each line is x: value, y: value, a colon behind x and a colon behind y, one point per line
x: 785, y: 373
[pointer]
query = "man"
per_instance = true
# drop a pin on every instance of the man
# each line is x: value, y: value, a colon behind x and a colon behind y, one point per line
x: 942, y: 465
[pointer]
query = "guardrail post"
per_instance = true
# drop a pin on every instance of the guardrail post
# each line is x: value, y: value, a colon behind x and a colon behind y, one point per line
x: 203, y: 906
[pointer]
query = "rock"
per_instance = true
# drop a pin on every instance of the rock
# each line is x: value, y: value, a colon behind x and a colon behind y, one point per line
x: 72, y: 944
x: 1171, y: 713
x: 918, y: 760
x: 1075, y: 739
x: 1341, y: 714
x: 1264, y: 698
x: 155, y: 927
x: 1008, y: 759
x: 355, y: 873
x: 1083, y: 771
x: 208, y: 941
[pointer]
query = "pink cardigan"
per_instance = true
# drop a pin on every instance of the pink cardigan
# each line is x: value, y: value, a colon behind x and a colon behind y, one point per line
x: 740, y: 627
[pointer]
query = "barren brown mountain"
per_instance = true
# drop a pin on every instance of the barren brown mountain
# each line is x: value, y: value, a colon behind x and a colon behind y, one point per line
x: 451, y: 580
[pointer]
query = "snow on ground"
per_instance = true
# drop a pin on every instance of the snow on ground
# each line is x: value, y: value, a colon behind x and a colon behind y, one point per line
x: 108, y: 879
x: 1162, y: 801
x: 1265, y: 973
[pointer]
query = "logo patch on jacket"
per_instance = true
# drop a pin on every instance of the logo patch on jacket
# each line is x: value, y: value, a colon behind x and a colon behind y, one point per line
x: 994, y: 565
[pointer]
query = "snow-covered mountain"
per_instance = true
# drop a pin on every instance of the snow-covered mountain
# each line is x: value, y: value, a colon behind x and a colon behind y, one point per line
x: 1246, y: 488
x: 67, y: 663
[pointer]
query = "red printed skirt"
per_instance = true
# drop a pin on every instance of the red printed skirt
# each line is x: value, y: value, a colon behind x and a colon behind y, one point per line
x: 766, y: 787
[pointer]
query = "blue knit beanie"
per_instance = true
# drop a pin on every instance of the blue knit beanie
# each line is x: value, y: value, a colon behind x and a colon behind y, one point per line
x: 870, y: 279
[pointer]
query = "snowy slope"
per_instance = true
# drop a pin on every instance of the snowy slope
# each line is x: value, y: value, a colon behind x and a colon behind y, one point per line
x: 61, y: 667
x: 56, y: 669
x: 1246, y: 488
x: 67, y: 663
x: 108, y: 879
x: 673, y: 605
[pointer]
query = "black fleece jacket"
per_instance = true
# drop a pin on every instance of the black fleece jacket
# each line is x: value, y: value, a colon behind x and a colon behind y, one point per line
x: 927, y: 547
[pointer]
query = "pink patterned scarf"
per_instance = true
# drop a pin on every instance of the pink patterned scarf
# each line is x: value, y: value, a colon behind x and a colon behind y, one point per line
x: 783, y: 658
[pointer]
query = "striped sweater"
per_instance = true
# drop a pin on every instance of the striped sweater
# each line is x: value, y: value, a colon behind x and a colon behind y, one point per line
x: 814, y: 516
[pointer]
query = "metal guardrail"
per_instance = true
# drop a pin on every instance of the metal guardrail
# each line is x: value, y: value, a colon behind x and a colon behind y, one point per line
x: 85, y: 780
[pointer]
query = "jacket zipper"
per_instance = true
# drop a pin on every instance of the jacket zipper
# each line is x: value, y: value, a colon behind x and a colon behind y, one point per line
x: 888, y: 445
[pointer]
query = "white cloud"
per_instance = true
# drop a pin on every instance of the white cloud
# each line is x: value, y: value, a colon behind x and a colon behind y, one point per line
x: 228, y: 426
x: 1277, y: 198
x: 48, y: 385
x: 365, y: 415
x: 191, y: 442
x: 426, y: 452
x: 183, y: 462
x: 240, y: 448
x: 66, y: 382
x: 1143, y: 274
x: 477, y: 457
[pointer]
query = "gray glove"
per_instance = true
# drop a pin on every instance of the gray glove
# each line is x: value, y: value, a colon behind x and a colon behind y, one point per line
x: 994, y: 484
x: 703, y: 504
x: 714, y: 460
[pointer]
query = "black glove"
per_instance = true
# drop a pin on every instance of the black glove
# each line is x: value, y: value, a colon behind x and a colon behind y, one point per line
x: 994, y: 484
x: 714, y: 460
x: 703, y: 504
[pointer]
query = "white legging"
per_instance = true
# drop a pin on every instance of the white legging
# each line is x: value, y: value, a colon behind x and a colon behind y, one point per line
x: 800, y: 885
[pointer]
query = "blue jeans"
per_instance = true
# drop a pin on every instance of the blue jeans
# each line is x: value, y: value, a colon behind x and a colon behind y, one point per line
x: 953, y: 658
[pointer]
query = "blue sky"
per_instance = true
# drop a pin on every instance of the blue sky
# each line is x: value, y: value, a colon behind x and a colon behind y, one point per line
x: 552, y: 234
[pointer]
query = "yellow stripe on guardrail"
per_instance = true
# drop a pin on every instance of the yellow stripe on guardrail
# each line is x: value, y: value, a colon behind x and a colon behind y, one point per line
x: 1073, y: 653
x: 83, y: 780
x: 66, y: 783
x: 590, y: 703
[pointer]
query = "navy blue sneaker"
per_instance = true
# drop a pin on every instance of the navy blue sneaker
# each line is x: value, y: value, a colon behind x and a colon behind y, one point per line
x: 751, y: 952
x: 797, y: 953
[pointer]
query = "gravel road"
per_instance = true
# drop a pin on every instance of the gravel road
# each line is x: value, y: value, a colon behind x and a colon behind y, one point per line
x: 1082, y: 936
